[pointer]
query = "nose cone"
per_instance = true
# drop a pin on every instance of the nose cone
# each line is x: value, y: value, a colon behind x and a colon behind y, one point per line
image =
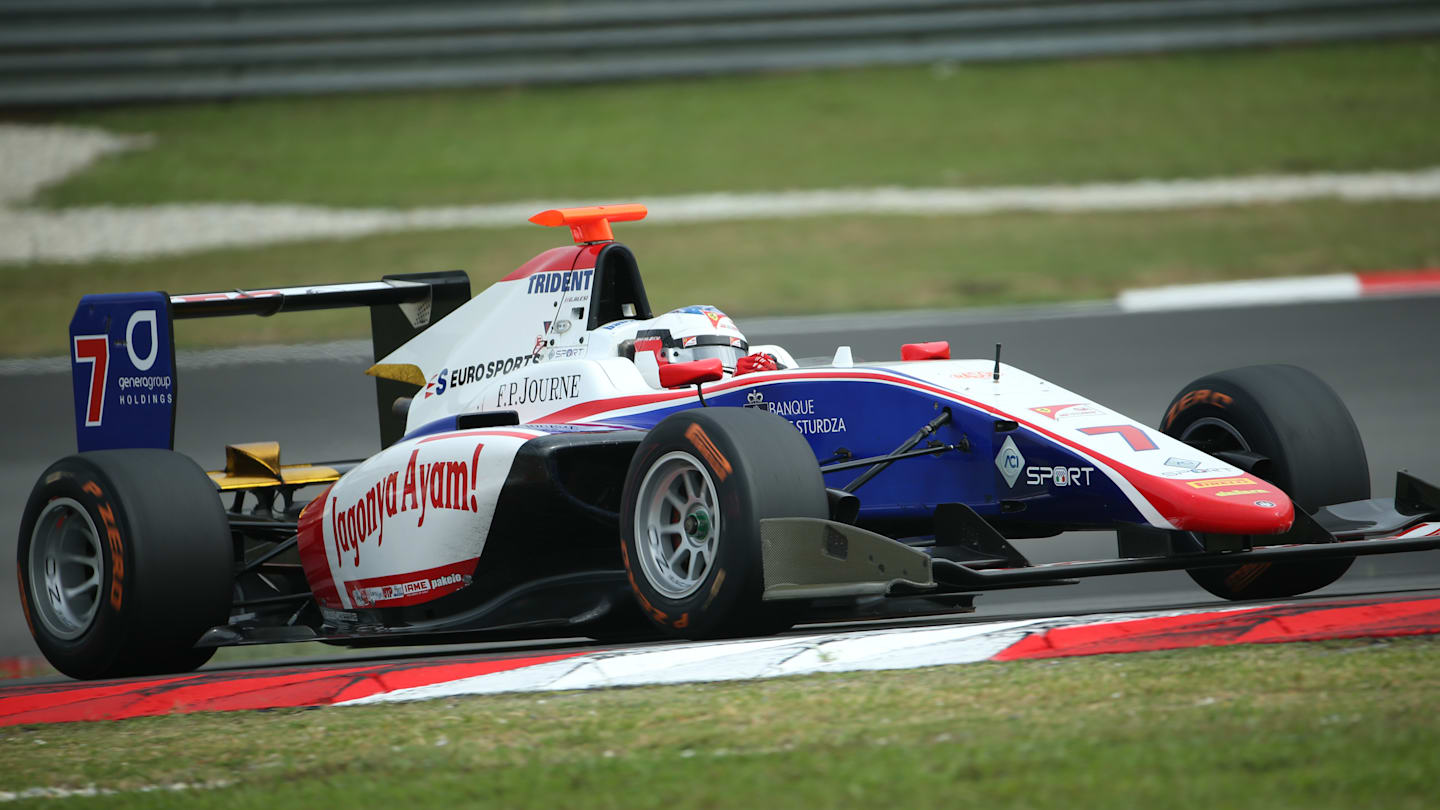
x: 1236, y: 505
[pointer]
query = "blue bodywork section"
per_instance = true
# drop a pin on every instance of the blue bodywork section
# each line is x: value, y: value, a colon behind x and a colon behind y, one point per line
x: 860, y: 419
x: 122, y: 363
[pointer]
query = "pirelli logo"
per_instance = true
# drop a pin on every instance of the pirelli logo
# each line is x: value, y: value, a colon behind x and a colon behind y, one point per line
x: 1222, y: 482
x: 716, y: 459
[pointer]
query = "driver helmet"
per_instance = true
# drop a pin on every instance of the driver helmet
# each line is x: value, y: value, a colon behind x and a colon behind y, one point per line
x: 692, y: 333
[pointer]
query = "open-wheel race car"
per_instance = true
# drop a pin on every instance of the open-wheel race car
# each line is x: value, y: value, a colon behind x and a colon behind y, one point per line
x: 559, y: 460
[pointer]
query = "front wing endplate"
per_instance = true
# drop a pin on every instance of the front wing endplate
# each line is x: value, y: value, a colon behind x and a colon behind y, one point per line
x: 810, y: 558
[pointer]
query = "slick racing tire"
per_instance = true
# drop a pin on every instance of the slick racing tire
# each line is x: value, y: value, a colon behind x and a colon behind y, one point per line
x: 698, y: 486
x: 125, y: 559
x: 1312, y: 449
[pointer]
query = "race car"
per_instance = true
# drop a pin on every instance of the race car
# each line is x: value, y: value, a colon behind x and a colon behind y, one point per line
x: 557, y: 459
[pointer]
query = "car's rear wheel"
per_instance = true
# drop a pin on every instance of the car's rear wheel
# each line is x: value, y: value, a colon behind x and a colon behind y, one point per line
x: 1310, y: 448
x: 696, y: 491
x: 125, y: 559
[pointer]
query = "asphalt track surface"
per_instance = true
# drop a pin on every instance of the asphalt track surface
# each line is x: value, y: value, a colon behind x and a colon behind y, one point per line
x: 1380, y: 355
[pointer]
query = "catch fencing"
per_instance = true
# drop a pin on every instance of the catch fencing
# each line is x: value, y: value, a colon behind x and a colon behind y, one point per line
x: 72, y: 52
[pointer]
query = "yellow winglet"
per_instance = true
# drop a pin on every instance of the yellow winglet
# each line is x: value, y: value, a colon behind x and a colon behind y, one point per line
x: 399, y: 372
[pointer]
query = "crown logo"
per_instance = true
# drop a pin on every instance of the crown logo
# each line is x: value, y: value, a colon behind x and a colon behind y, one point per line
x: 754, y: 399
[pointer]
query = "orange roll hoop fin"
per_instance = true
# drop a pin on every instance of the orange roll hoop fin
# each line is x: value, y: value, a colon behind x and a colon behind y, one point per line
x: 591, y: 224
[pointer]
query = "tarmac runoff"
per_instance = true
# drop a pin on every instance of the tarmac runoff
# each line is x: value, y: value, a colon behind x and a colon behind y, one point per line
x: 891, y: 649
x: 34, y: 157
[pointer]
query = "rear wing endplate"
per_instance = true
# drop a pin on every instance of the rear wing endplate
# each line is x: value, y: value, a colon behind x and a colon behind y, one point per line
x: 122, y: 347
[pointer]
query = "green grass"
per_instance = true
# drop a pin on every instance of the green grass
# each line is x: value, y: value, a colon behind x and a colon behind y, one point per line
x: 1332, y: 725
x: 795, y: 266
x: 1341, y: 107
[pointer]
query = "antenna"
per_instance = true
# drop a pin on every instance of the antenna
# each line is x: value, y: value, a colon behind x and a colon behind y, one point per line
x: 997, y: 363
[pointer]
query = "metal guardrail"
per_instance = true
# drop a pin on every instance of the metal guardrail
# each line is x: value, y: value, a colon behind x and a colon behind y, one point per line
x: 65, y: 52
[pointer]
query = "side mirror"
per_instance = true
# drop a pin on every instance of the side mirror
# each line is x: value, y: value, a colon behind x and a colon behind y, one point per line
x: 674, y: 375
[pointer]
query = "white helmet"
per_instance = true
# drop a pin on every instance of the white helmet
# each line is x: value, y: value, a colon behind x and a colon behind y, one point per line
x: 692, y: 333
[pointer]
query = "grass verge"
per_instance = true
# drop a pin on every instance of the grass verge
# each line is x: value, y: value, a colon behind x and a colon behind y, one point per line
x: 1340, y: 724
x: 790, y: 267
x: 1338, y: 107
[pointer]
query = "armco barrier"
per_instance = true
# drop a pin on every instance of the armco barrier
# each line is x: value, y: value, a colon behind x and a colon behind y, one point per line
x: 65, y: 52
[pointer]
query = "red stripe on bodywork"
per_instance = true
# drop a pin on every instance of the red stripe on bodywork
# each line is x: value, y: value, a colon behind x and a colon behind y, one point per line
x: 460, y: 434
x: 1264, y: 625
x: 230, y: 691
x: 560, y: 258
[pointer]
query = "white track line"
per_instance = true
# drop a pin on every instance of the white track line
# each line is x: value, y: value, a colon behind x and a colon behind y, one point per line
x: 84, y: 234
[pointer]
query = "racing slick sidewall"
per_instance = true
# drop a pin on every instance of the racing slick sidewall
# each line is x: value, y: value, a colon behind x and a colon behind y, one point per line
x: 165, y: 562
x: 760, y: 467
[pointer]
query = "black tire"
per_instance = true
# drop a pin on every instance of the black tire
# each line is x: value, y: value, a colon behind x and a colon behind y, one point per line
x: 164, y: 563
x: 1315, y: 454
x: 759, y: 467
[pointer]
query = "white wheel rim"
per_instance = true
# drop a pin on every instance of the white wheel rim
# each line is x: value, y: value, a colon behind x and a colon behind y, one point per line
x: 677, y: 525
x: 65, y: 569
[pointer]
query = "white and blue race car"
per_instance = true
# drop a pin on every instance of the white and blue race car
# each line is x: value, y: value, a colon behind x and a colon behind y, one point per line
x: 560, y: 460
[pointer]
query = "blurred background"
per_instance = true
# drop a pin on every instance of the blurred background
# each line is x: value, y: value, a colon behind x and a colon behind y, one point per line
x: 786, y: 149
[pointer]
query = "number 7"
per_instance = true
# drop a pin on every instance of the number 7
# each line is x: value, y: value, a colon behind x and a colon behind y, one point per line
x: 95, y: 350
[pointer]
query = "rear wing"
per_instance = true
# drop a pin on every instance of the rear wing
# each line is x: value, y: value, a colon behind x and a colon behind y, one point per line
x: 122, y: 347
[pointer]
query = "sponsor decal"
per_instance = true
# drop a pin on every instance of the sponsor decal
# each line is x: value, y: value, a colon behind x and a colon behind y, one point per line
x: 112, y: 539
x: 972, y: 375
x: 793, y: 408
x: 438, y: 383
x: 444, y: 484
x: 386, y: 593
x: 686, y: 343
x: 534, y: 390
x: 154, y: 390
x: 1226, y: 493
x: 479, y: 372
x: 1209, y: 483
x: 146, y: 316
x: 1266, y: 504
x: 94, y: 350
x: 565, y: 352
x: 1133, y: 436
x: 1188, y: 466
x: 1199, y: 396
x: 555, y: 281
x: 1058, y: 476
x: 716, y: 459
x: 824, y: 424
x: 1071, y: 410
x: 1009, y: 461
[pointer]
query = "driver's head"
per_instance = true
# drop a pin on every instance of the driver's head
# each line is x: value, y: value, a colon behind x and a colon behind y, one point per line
x: 693, y: 333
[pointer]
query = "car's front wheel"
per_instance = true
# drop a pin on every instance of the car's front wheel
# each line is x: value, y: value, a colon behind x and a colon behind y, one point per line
x: 697, y: 488
x: 1307, y: 445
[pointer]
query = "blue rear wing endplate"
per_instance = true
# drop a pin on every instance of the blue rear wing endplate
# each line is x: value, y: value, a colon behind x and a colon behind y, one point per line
x: 122, y: 363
